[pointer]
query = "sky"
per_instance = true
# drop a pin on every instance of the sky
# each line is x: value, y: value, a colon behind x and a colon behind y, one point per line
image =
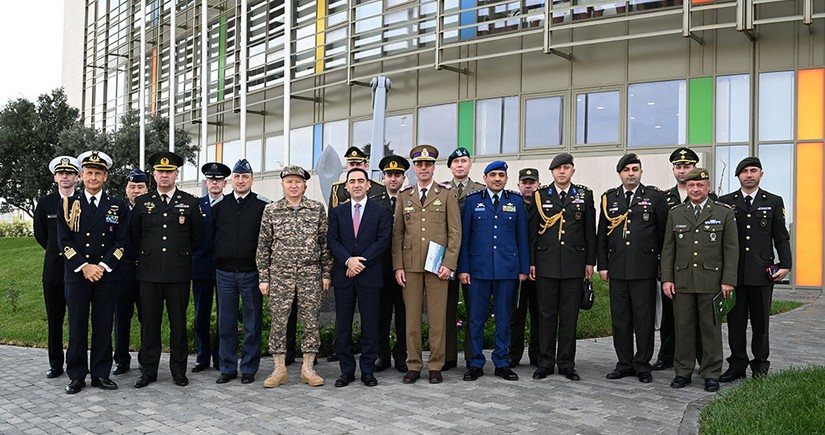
x: 32, y: 35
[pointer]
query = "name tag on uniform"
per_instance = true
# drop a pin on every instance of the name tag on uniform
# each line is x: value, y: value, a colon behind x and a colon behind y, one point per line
x: 408, y: 209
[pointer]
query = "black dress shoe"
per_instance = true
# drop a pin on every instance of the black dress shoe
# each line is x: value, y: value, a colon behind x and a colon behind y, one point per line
x: 104, y: 383
x: 225, y: 377
x: 680, y: 382
x: 145, y: 380
x: 618, y: 374
x: 473, y: 373
x: 333, y: 357
x: 731, y: 375
x: 645, y: 377
x: 369, y: 379
x: 199, y: 367
x: 121, y: 369
x: 411, y: 377
x: 711, y: 385
x: 381, y: 365
x: 506, y: 373
x: 435, y: 377
x: 247, y: 379
x: 542, y: 372
x: 401, y: 367
x: 344, y: 380
x: 180, y: 380
x: 513, y: 363
x: 75, y: 386
x: 661, y: 365
x: 449, y: 365
x: 54, y: 372
x: 570, y: 373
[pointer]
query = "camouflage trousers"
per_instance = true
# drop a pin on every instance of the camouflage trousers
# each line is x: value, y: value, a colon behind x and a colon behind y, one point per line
x: 282, y: 289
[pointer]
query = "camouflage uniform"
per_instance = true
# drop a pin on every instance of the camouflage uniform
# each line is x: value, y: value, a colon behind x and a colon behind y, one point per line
x: 293, y: 257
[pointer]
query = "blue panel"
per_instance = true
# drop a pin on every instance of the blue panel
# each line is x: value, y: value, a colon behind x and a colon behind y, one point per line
x: 467, y: 18
x: 317, y: 142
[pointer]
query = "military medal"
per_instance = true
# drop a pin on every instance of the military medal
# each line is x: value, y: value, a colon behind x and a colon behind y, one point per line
x: 409, y: 203
x: 150, y: 207
x: 578, y: 215
x: 437, y: 202
x: 645, y: 217
x: 763, y: 223
x: 182, y: 219
x: 712, y: 237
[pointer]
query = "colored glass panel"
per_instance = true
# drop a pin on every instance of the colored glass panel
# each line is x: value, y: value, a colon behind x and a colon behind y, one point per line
x: 700, y: 114
x: 810, y: 104
x: 809, y: 182
x: 317, y: 142
x: 320, y: 26
x: 222, y: 58
x: 467, y: 18
x: 219, y: 152
x: 153, y: 94
x: 466, y: 126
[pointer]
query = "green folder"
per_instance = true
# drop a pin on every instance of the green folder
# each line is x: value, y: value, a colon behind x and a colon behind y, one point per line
x: 723, y: 306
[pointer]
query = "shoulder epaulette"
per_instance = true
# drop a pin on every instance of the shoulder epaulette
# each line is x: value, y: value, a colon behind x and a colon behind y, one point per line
x: 611, y: 190
x: 475, y: 192
x: 406, y: 188
x: 722, y: 204
x: 264, y: 199
x: 339, y: 182
x: 513, y: 192
x: 445, y: 185
x: 654, y: 188
x: 582, y: 187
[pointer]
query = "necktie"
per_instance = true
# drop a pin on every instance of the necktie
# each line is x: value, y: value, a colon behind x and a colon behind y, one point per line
x: 629, y: 196
x: 165, y: 198
x: 423, y: 195
x: 240, y: 201
x: 698, y: 211
x: 495, y: 203
x: 460, y: 189
x: 392, y: 204
x: 748, y: 201
x: 562, y: 195
x: 356, y: 219
x: 93, y: 203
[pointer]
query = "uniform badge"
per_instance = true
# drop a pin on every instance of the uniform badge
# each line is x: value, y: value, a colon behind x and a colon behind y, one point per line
x: 182, y: 219
x: 681, y: 236
x: 150, y: 207
x: 578, y: 215
x: 437, y: 202
x: 712, y: 237
x: 409, y: 203
x: 763, y: 223
x: 509, y: 208
x: 646, y: 217
x: 69, y: 252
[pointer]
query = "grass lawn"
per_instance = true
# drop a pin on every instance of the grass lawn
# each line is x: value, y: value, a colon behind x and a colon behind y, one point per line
x: 791, y: 401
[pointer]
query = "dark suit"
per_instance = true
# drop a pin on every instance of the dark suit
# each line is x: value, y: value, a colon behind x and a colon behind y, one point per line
x: 99, y: 237
x: 518, y: 317
x: 45, y: 232
x: 761, y: 228
x: 372, y: 243
x: 629, y: 242
x: 203, y: 290
x: 167, y: 235
x: 562, y: 242
x: 392, y: 302
x: 128, y: 297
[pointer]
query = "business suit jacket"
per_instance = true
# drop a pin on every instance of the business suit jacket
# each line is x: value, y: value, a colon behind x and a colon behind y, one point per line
x: 45, y: 232
x: 698, y: 255
x: 203, y: 266
x: 632, y: 249
x: 761, y: 228
x: 562, y: 249
x: 416, y: 225
x: 167, y: 235
x: 494, y: 241
x: 372, y: 242
x: 99, y: 237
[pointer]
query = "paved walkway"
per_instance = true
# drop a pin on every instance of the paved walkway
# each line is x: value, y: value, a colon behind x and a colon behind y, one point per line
x: 30, y: 403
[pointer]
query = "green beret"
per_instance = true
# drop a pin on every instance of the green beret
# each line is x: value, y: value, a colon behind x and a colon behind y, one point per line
x: 697, y: 174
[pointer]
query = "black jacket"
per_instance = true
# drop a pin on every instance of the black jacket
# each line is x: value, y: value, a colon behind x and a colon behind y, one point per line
x: 45, y: 232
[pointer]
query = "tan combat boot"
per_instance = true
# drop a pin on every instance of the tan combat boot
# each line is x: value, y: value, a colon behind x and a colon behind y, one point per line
x: 278, y: 376
x: 308, y: 375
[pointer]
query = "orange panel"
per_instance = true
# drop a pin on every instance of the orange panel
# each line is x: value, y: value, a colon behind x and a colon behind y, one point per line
x: 810, y: 107
x: 219, y: 152
x: 699, y: 2
x: 153, y: 93
x: 808, y: 222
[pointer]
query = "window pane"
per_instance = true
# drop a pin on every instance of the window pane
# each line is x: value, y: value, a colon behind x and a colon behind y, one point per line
x: 300, y: 147
x: 597, y: 117
x: 727, y: 157
x: 274, y: 153
x: 361, y: 133
x: 336, y: 135
x: 231, y: 153
x: 438, y: 126
x: 776, y: 109
x: 732, y: 108
x: 656, y: 113
x: 543, y: 122
x: 253, y: 154
x: 398, y: 134
x: 777, y: 163
x: 190, y: 171
x: 497, y: 126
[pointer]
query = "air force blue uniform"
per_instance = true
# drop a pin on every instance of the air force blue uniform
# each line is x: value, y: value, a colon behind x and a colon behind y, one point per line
x: 203, y: 290
x: 494, y: 251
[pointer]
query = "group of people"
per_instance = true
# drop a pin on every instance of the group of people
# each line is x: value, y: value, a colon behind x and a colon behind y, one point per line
x: 383, y: 247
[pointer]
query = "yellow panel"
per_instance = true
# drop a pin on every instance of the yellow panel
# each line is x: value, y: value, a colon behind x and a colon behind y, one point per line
x: 320, y: 27
x: 811, y: 104
x: 808, y: 222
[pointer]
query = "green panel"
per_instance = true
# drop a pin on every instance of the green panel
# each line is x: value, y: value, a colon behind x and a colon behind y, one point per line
x: 700, y: 117
x: 466, y: 124
x: 222, y: 59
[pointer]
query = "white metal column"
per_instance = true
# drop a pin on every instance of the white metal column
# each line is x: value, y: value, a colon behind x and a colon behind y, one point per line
x: 172, y: 90
x: 142, y: 86
x: 204, y: 80
x: 288, y: 5
x: 242, y: 58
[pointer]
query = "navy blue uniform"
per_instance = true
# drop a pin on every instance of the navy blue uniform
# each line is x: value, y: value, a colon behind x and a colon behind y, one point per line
x: 128, y: 297
x: 203, y: 290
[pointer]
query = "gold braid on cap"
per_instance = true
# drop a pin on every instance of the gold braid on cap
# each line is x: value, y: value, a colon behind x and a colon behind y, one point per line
x: 73, y: 217
x: 616, y: 221
x: 548, y: 221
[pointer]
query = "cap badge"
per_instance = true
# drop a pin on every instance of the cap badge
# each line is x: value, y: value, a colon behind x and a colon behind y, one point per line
x: 425, y: 153
x: 393, y: 165
x: 164, y: 161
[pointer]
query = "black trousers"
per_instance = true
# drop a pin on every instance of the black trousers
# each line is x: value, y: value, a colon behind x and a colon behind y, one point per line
x: 518, y: 318
x: 633, y: 313
x: 392, y: 301
x: 54, y: 294
x: 755, y: 302
x: 206, y: 348
x: 152, y: 296
x: 98, y: 301
x: 559, y: 301
x: 128, y: 296
x: 368, y: 300
x: 667, y: 334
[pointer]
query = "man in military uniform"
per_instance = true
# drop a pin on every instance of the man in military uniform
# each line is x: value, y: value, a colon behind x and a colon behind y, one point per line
x: 167, y: 227
x: 700, y: 258
x: 683, y: 160
x: 528, y: 182
x: 629, y: 241
x: 426, y: 212
x: 293, y: 259
x: 494, y: 258
x: 563, y: 254
x: 203, y: 270
x: 392, y: 296
x: 128, y: 297
x: 46, y: 214
x: 92, y: 232
x: 459, y: 164
x: 760, y: 219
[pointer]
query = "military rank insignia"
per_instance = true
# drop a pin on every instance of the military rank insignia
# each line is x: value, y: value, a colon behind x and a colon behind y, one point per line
x: 69, y: 252
x: 118, y: 253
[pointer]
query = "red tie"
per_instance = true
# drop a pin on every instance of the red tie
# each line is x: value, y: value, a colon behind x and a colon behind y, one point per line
x: 356, y: 219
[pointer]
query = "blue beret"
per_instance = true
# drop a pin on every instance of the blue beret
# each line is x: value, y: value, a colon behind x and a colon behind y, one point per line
x: 497, y: 165
x: 242, y: 167
x: 137, y: 176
